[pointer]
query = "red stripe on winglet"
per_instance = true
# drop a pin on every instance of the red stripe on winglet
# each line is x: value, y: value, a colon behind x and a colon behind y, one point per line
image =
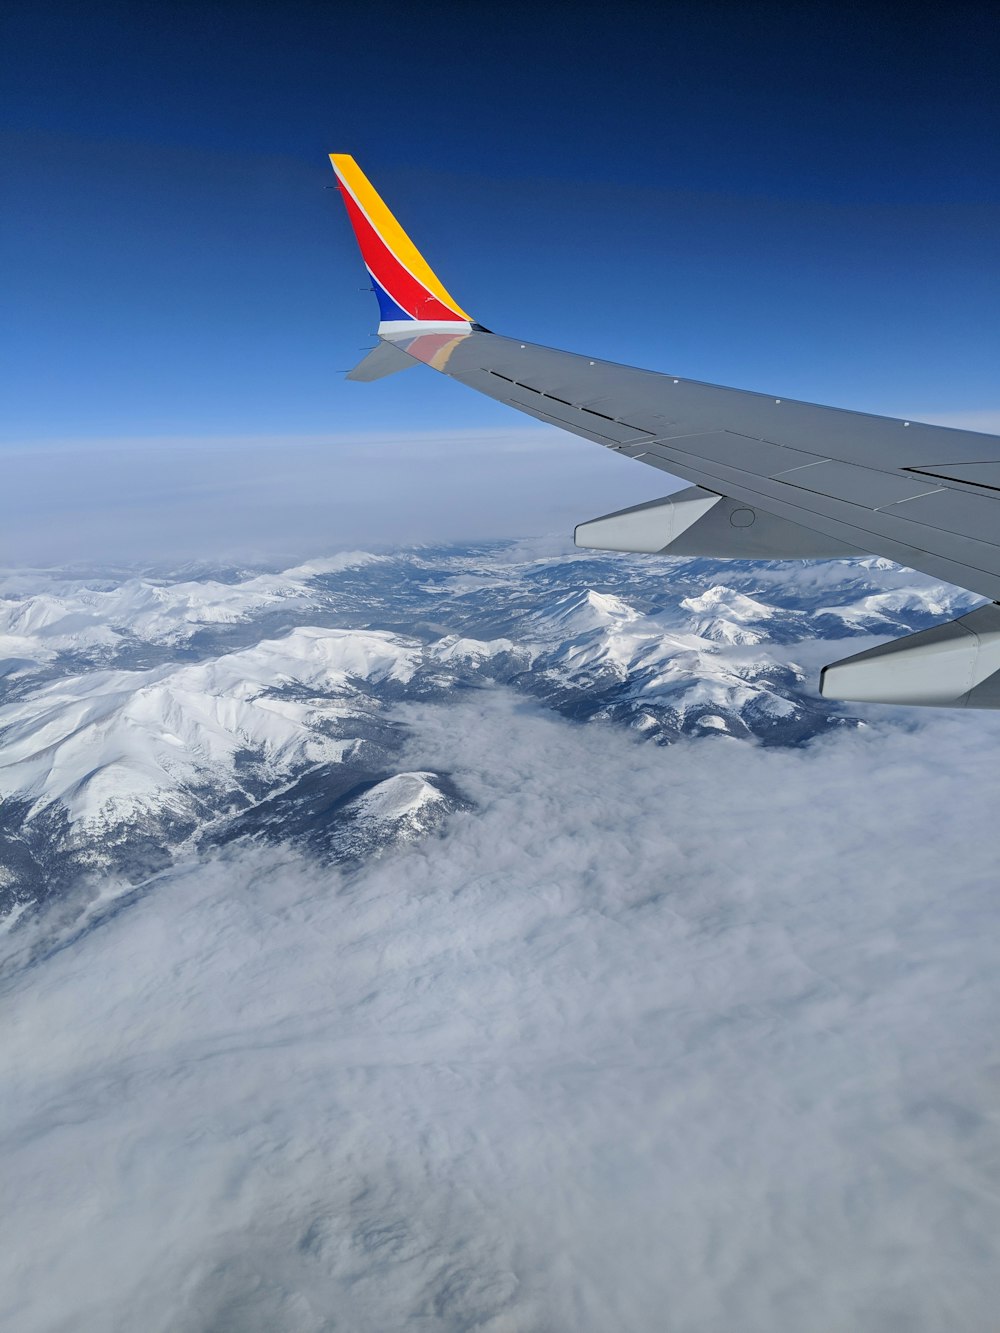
x: 405, y: 290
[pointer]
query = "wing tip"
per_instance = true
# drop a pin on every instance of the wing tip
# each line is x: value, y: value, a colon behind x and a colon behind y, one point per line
x: 406, y: 285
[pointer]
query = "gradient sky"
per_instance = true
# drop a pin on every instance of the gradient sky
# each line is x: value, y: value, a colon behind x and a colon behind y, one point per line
x: 799, y: 197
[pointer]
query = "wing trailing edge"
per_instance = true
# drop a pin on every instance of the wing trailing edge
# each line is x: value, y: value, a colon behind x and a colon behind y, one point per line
x: 385, y: 359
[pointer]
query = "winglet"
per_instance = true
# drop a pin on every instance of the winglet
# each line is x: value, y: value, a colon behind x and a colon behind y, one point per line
x: 411, y: 297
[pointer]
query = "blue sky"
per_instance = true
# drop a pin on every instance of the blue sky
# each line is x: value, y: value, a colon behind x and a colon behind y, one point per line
x: 795, y: 198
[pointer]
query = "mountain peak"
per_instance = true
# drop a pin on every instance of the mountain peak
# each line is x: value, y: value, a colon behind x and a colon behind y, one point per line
x: 589, y: 609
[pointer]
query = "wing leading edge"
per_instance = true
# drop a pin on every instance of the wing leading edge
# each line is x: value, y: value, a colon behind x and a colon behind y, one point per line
x: 771, y: 477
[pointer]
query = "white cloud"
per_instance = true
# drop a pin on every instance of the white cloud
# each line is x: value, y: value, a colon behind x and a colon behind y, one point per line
x: 689, y: 1038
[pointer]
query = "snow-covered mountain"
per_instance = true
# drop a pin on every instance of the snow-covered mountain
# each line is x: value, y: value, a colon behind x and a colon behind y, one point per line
x: 110, y: 744
x: 143, y: 718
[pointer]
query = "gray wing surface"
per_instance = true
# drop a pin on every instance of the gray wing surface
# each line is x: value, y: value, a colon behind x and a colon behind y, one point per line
x: 925, y: 496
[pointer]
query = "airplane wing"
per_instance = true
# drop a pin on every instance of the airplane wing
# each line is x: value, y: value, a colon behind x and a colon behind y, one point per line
x: 772, y: 477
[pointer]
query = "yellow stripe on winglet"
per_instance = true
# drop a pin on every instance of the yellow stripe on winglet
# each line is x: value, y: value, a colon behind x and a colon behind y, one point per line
x: 389, y: 229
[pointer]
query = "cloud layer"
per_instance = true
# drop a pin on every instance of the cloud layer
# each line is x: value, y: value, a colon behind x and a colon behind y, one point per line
x: 682, y: 1039
x: 156, y: 500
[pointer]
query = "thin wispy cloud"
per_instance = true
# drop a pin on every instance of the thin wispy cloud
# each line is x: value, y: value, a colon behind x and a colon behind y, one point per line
x: 281, y: 499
